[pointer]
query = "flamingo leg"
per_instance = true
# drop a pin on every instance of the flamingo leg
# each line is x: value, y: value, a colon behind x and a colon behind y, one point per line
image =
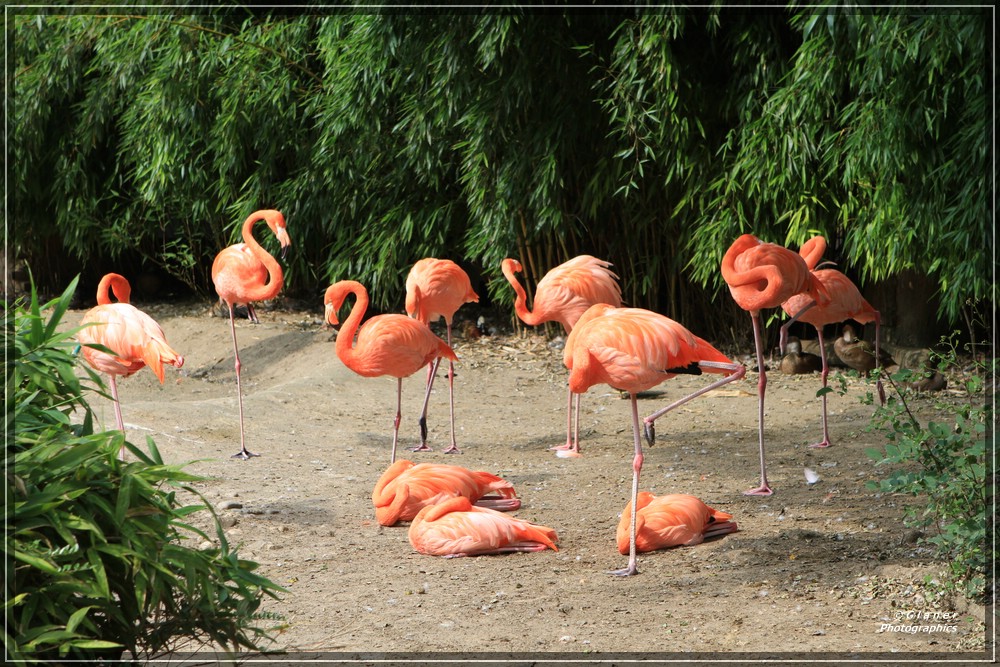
x: 398, y: 418
x: 632, y: 567
x: 738, y: 371
x: 783, y: 337
x: 826, y: 371
x: 763, y: 489
x: 878, y: 363
x: 572, y: 446
x: 118, y: 414
x: 244, y: 453
x: 423, y: 421
x: 453, y: 449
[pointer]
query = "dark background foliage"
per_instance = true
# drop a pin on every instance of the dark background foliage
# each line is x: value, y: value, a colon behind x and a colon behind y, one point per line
x: 140, y: 142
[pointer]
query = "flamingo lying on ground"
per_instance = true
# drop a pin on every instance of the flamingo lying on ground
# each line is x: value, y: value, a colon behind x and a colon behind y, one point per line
x: 391, y: 344
x: 764, y: 275
x: 632, y: 349
x: 672, y: 520
x: 244, y: 273
x: 456, y: 527
x: 405, y: 488
x: 563, y: 295
x: 135, y: 338
x: 436, y: 288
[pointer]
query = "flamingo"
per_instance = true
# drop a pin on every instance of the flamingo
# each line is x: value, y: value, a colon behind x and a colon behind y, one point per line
x: 563, y: 295
x: 672, y: 520
x: 436, y: 288
x: 632, y: 349
x: 244, y: 273
x: 845, y: 303
x: 456, y: 528
x: 405, y: 488
x: 134, y: 337
x: 764, y: 275
x: 390, y: 344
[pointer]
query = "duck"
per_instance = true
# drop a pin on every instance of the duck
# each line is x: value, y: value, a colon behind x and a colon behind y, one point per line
x: 797, y: 362
x: 859, y: 354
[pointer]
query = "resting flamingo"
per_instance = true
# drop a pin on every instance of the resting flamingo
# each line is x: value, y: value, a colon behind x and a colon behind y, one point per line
x: 673, y: 520
x: 390, y: 344
x: 134, y: 337
x: 244, y: 273
x: 563, y: 295
x: 632, y: 349
x: 456, y: 528
x: 405, y: 488
x: 764, y: 275
x: 845, y: 303
x: 436, y: 288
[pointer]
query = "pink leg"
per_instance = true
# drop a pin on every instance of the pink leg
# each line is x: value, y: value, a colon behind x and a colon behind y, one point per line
x: 826, y: 371
x: 453, y: 449
x: 783, y: 337
x: 738, y: 371
x: 244, y: 453
x: 632, y: 567
x: 763, y: 489
x: 572, y: 446
x: 395, y: 422
x: 423, y: 419
x: 118, y: 414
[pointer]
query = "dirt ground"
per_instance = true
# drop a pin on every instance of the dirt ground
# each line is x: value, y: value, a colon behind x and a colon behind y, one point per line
x: 821, y: 569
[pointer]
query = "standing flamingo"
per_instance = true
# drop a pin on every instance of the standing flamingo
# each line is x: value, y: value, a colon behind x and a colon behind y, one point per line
x: 632, y: 349
x: 673, y: 520
x: 563, y: 295
x: 764, y: 275
x: 845, y: 303
x: 436, y: 288
x: 456, y: 528
x: 134, y: 337
x: 405, y: 488
x: 390, y: 344
x: 244, y: 273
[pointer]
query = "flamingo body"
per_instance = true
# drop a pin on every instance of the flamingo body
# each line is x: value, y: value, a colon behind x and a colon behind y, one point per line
x: 633, y: 349
x: 244, y: 273
x: 135, y: 337
x: 563, y: 295
x: 391, y: 344
x: 670, y: 521
x: 405, y: 488
x: 456, y: 527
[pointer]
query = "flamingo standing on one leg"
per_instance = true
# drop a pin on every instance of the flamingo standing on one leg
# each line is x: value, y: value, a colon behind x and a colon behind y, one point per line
x: 134, y: 336
x: 456, y: 528
x: 845, y: 303
x: 405, y: 488
x: 673, y: 520
x: 437, y: 288
x: 390, y: 344
x: 244, y: 273
x: 632, y: 349
x: 764, y: 275
x: 563, y: 295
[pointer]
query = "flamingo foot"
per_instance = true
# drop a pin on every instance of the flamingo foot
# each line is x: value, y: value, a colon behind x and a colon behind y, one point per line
x: 422, y: 448
x: 567, y: 453
x: 762, y: 490
x: 821, y: 445
x: 451, y: 450
x: 245, y: 455
x: 625, y: 572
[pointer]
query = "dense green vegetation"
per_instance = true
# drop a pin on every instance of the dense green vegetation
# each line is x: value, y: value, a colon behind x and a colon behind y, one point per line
x: 101, y: 557
x: 651, y: 138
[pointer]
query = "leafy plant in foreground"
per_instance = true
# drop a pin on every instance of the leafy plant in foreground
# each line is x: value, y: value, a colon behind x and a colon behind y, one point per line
x: 98, y: 550
x: 946, y: 462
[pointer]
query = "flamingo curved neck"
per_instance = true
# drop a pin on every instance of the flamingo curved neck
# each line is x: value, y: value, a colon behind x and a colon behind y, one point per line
x: 113, y: 282
x: 345, y: 337
x: 521, y: 301
x: 275, y: 276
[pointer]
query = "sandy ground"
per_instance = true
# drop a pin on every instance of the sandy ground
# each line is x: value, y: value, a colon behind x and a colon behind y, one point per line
x: 821, y: 569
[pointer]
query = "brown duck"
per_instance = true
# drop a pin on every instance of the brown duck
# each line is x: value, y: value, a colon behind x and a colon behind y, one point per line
x: 859, y: 354
x: 797, y: 362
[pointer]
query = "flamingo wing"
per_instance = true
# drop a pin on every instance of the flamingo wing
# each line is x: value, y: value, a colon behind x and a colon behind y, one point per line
x: 437, y: 288
x: 458, y: 528
x: 668, y: 521
x: 133, y: 335
x: 396, y: 345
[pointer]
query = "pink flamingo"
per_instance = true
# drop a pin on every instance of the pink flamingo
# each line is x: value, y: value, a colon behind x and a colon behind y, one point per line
x: 764, y: 275
x: 673, y: 520
x: 391, y: 344
x: 632, y: 349
x: 845, y: 303
x: 244, y: 273
x: 436, y: 288
x: 563, y: 295
x: 134, y: 337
